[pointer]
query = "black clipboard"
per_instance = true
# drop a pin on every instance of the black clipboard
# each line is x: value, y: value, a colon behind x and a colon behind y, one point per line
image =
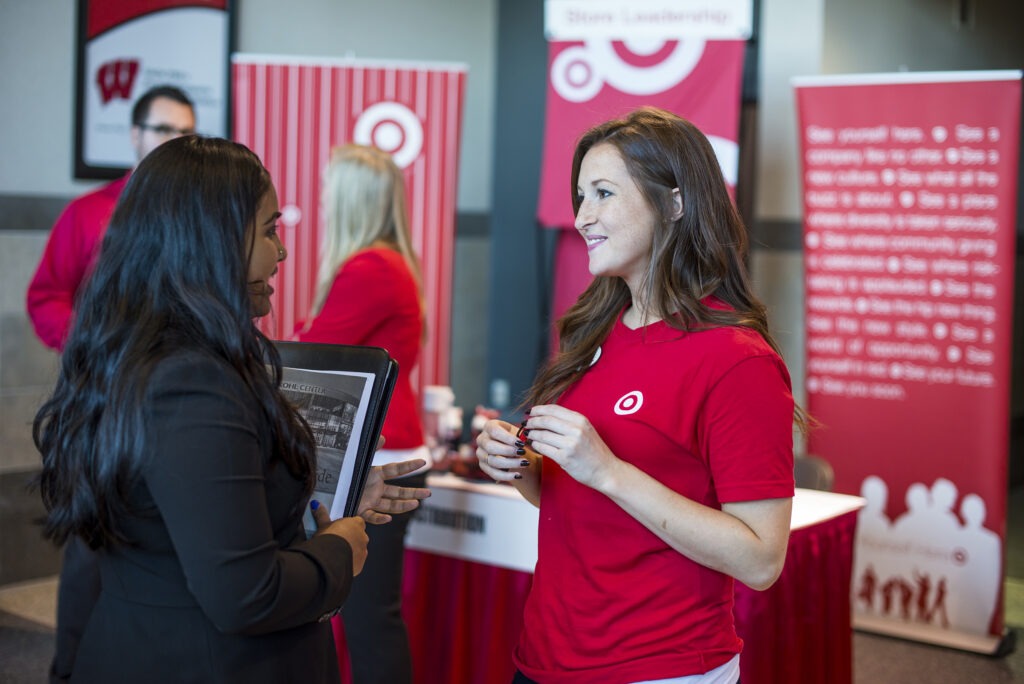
x: 310, y: 358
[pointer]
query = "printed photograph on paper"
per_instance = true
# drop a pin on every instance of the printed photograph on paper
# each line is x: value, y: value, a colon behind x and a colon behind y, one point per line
x: 334, y: 404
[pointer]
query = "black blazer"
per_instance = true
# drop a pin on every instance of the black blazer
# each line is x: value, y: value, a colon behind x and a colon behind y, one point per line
x: 220, y: 584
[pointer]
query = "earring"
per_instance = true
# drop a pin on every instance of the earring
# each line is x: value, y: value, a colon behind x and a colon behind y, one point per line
x: 280, y: 253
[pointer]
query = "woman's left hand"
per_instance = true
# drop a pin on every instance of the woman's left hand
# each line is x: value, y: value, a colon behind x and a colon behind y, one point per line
x: 568, y: 438
x: 380, y: 500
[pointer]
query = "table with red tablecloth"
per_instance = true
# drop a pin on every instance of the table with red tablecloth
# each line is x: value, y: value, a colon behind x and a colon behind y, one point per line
x: 800, y: 629
x: 467, y: 573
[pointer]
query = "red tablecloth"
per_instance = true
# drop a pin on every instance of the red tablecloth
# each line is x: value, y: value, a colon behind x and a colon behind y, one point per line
x: 799, y: 630
x: 464, y: 618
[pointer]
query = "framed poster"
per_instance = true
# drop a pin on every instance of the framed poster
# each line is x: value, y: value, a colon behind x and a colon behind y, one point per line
x: 124, y: 48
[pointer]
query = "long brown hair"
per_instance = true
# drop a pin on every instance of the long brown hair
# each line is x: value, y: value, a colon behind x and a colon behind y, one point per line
x: 698, y: 255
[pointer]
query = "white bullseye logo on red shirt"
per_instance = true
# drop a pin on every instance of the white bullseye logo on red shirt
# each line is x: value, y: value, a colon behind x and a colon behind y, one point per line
x: 629, y: 403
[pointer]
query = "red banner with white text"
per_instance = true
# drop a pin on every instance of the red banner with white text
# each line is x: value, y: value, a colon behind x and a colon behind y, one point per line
x: 291, y: 112
x: 596, y: 80
x: 910, y: 184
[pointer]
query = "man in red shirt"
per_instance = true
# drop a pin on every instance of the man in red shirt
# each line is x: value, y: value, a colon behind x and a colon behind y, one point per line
x: 162, y: 113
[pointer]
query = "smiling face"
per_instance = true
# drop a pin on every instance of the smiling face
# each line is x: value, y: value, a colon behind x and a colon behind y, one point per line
x: 614, y: 217
x: 267, y: 252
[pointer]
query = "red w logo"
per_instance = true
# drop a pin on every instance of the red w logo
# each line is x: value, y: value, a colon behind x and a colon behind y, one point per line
x: 116, y: 78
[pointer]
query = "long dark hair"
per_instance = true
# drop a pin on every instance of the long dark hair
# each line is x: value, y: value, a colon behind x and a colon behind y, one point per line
x: 699, y: 255
x: 171, y: 275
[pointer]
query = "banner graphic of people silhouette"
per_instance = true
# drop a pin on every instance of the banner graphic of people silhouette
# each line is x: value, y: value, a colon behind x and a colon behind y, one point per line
x: 935, y: 567
x: 910, y: 205
x: 292, y: 111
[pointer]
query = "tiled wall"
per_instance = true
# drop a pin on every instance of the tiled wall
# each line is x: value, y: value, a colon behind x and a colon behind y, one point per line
x: 469, y: 332
x: 27, y: 372
x: 777, y: 277
x: 27, y: 368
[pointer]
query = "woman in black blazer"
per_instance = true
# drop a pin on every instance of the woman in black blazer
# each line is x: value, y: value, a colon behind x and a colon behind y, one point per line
x: 168, y: 447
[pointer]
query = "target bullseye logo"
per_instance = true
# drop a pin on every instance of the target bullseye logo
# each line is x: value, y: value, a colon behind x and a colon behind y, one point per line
x: 635, y: 67
x: 393, y: 128
x: 578, y: 73
x: 574, y: 76
x: 640, y: 67
x: 629, y: 403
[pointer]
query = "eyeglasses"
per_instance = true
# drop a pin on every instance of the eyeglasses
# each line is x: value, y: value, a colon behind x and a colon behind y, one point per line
x: 164, y: 129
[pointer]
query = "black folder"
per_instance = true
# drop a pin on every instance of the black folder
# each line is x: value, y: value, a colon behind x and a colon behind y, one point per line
x: 331, y: 404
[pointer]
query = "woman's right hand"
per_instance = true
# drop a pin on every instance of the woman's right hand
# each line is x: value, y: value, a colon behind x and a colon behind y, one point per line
x: 352, y: 530
x: 496, y: 451
x: 506, y: 459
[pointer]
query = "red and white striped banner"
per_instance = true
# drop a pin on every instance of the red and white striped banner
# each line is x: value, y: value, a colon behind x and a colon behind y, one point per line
x: 292, y: 111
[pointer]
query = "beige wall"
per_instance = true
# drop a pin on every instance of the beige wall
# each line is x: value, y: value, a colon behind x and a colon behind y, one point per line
x: 37, y: 60
x: 37, y: 86
x: 797, y: 37
x: 811, y: 37
x: 871, y: 36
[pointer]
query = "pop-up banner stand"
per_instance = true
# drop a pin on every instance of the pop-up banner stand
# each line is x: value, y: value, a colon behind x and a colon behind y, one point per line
x: 910, y: 203
x: 608, y: 57
x: 291, y: 111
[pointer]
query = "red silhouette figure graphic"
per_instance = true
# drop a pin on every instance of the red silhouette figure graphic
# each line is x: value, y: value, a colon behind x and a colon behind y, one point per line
x: 924, y: 589
x: 906, y: 596
x: 867, y: 587
x: 939, y: 605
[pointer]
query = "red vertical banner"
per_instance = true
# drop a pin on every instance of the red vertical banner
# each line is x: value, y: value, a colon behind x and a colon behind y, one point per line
x: 596, y: 80
x: 292, y: 112
x: 910, y: 184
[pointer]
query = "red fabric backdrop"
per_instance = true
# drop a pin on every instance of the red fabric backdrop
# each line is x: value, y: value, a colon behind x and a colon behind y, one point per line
x: 464, y: 618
